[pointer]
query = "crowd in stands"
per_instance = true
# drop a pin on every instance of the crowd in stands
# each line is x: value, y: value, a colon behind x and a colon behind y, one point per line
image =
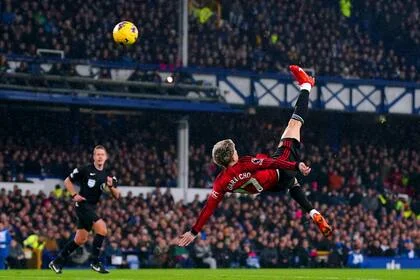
x: 267, y: 231
x: 142, y: 148
x: 138, y: 154
x: 364, y: 176
x: 379, y: 40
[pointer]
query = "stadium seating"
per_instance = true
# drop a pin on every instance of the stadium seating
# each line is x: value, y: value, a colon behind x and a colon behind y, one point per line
x: 376, y: 41
x: 143, y: 147
x: 269, y: 231
x: 363, y: 179
x: 365, y: 167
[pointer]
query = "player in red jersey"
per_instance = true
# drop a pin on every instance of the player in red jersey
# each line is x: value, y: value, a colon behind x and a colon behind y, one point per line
x: 262, y: 173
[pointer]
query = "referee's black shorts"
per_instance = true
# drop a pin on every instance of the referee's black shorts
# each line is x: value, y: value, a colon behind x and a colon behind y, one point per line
x: 86, y: 215
x: 289, y: 150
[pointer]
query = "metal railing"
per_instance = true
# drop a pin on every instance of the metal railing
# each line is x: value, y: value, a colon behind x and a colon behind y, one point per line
x: 108, y: 87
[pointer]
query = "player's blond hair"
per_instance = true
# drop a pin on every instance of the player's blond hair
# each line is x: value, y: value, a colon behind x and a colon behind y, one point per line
x: 222, y: 152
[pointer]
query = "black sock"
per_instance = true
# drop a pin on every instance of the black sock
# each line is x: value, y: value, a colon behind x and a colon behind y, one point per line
x: 69, y: 248
x: 301, y: 108
x: 299, y: 196
x: 96, y: 247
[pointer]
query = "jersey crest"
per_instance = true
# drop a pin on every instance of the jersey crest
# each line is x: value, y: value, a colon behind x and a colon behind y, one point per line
x: 91, y: 183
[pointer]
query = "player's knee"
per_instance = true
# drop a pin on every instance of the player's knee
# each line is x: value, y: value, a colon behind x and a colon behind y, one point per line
x: 80, y: 240
x: 104, y: 231
x: 294, y: 123
x: 294, y: 183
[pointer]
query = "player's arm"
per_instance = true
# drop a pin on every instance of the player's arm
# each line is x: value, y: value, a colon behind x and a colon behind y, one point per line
x: 75, y: 177
x: 213, y: 200
x: 113, y: 187
x: 253, y: 164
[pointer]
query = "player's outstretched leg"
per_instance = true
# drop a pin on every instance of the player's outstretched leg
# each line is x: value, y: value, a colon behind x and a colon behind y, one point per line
x: 305, y: 82
x: 292, y: 131
x: 300, y: 197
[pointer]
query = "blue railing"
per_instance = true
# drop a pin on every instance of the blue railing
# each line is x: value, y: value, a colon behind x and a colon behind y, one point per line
x: 273, y: 89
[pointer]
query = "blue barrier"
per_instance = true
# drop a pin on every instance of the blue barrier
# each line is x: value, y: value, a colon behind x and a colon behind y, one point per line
x: 115, y: 102
x: 392, y: 263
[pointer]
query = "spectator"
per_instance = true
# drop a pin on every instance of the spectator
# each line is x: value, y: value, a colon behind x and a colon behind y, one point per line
x: 4, y: 65
x: 374, y: 250
x: 252, y: 259
x: 356, y: 258
x: 203, y: 253
x: 181, y: 257
x: 284, y: 253
x: 222, y: 254
x: 58, y: 191
x: 16, y: 259
x: 269, y: 256
x: 392, y: 251
x: 5, y: 240
x: 335, y: 180
x: 409, y: 251
x: 338, y: 256
x: 145, y: 249
x: 370, y: 201
x: 36, y: 244
x: 234, y: 255
x: 113, y: 254
x: 160, y: 254
x: 301, y: 254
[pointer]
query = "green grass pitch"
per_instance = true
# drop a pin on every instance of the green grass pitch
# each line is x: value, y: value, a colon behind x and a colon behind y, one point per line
x: 206, y: 274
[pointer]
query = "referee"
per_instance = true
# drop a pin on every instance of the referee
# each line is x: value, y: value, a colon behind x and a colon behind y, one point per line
x: 93, y: 179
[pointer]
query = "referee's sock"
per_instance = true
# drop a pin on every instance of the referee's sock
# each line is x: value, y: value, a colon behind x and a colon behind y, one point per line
x: 96, y: 247
x: 69, y: 248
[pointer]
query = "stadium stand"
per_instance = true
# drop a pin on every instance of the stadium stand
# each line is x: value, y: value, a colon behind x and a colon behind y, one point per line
x: 143, y: 151
x: 376, y: 42
x: 365, y: 167
x: 361, y: 178
x: 266, y: 232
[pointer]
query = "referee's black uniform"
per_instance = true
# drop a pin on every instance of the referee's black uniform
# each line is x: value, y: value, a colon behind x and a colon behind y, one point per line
x: 91, y: 182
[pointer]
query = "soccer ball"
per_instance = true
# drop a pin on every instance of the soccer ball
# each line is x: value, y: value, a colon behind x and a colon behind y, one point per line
x: 125, y: 33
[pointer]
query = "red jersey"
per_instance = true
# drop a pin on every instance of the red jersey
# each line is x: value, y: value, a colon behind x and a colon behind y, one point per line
x: 249, y: 175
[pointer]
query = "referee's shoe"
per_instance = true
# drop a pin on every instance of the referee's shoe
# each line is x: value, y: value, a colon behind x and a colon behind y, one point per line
x: 99, y: 267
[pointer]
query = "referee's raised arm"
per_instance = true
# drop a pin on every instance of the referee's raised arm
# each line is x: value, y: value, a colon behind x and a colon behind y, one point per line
x: 112, y: 183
